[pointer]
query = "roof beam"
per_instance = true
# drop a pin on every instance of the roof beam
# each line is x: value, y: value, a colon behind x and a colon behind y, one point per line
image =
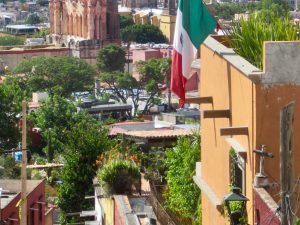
x: 228, y: 131
x: 199, y: 100
x: 223, y: 113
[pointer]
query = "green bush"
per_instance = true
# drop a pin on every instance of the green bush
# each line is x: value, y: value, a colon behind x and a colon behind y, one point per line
x: 120, y: 175
x: 247, y: 37
x: 11, y: 40
x: 183, y: 196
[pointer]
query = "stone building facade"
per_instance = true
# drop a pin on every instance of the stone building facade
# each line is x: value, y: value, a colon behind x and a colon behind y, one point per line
x: 84, y: 25
x: 139, y: 3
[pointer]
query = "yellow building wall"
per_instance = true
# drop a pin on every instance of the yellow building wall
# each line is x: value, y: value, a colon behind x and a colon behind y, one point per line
x: 167, y: 26
x: 232, y: 90
x: 145, y: 19
x: 125, y: 13
x: 108, y: 207
x: 154, y: 21
x: 137, y: 18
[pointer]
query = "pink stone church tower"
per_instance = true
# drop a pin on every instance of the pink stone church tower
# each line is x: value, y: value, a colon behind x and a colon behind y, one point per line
x: 84, y: 25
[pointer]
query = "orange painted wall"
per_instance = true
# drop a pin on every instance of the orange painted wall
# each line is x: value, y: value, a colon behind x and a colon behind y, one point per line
x: 270, y: 100
x: 232, y: 90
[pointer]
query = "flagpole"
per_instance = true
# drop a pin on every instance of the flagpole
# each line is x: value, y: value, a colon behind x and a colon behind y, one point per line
x: 23, y: 205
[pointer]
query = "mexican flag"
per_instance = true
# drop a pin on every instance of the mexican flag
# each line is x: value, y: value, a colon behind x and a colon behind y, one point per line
x: 193, y: 24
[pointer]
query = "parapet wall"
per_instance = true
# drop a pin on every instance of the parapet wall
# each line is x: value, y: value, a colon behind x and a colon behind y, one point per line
x: 13, y: 57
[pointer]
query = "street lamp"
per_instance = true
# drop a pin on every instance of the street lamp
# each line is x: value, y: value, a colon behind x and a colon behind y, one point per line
x: 235, y: 213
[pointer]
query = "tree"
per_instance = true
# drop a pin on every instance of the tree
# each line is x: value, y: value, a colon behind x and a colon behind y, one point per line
x: 68, y: 73
x: 84, y: 143
x: 33, y: 19
x: 152, y: 72
x: 183, y: 195
x: 125, y: 21
x: 10, y: 168
x: 55, y: 117
x: 11, y: 40
x: 42, y: 2
x: 143, y: 33
x: 11, y: 97
x: 42, y: 33
x: 125, y: 86
x: 111, y: 58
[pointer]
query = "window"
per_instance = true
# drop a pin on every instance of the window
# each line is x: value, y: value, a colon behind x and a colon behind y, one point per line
x: 108, y: 23
x: 237, y: 170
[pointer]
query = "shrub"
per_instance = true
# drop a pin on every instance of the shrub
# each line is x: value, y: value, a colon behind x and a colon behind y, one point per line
x: 120, y: 175
x: 247, y: 37
x: 11, y: 40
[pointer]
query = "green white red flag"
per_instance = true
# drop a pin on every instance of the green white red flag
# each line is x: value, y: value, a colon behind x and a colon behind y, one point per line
x: 193, y: 24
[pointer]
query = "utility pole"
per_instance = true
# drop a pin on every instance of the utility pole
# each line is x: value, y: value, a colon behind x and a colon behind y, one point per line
x: 23, y: 205
x: 286, y: 162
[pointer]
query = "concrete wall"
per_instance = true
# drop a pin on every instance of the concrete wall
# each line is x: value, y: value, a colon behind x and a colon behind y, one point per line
x: 13, y: 57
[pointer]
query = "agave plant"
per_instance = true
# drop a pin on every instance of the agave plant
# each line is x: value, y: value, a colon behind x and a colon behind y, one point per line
x: 247, y: 37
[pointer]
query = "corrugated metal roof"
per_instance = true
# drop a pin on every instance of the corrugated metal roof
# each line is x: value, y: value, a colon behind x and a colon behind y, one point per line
x: 159, y: 133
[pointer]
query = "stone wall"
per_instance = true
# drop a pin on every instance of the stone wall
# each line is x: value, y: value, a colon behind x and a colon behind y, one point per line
x: 13, y: 57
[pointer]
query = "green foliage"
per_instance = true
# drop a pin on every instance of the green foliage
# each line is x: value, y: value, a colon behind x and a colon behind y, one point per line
x: 11, y: 40
x: 247, y: 37
x: 68, y: 73
x: 33, y: 19
x: 40, y: 160
x: 226, y: 11
x: 120, y: 175
x: 42, y: 33
x: 42, y: 2
x: 111, y: 58
x: 10, y: 170
x: 125, y: 21
x: 143, y: 33
x: 183, y: 195
x: 237, y: 206
x: 155, y: 166
x: 273, y: 9
x: 152, y: 72
x: 121, y: 83
x: 84, y: 142
x: 55, y: 117
x: 35, y: 175
x: 10, y: 105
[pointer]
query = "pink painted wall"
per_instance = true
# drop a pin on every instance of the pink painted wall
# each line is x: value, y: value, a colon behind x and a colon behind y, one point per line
x: 36, y: 217
x: 263, y: 214
x: 117, y: 216
x: 143, y: 54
